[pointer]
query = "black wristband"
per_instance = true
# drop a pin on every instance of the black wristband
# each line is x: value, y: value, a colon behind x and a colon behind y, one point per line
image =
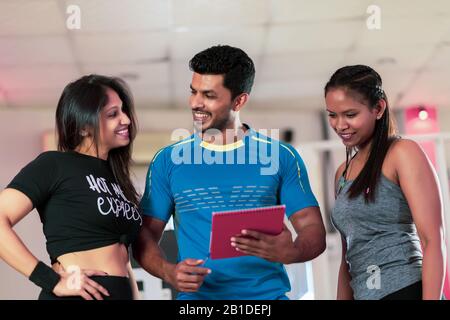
x: 45, y: 277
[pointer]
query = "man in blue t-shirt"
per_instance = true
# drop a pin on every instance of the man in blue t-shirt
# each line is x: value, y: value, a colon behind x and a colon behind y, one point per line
x: 226, y: 165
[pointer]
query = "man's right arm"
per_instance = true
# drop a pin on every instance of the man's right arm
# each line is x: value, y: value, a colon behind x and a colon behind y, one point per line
x: 185, y: 276
x: 148, y: 253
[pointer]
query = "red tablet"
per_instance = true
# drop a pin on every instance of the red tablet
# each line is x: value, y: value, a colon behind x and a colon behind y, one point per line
x: 226, y: 224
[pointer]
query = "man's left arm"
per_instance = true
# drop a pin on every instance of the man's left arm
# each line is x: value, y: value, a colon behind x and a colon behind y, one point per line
x: 307, y: 245
x: 310, y: 240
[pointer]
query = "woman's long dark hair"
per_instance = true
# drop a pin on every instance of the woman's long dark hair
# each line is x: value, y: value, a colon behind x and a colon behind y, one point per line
x: 365, y: 84
x: 79, y: 108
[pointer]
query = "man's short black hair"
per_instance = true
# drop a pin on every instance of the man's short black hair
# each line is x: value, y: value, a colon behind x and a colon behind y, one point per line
x: 233, y: 63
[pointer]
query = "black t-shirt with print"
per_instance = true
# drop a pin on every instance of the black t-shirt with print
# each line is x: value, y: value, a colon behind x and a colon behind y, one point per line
x: 79, y: 202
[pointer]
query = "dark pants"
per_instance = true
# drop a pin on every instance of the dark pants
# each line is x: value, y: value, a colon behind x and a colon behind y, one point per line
x: 412, y: 292
x: 119, y: 288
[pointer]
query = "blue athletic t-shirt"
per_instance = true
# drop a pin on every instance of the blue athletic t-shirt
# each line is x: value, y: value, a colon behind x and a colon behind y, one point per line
x: 191, y: 179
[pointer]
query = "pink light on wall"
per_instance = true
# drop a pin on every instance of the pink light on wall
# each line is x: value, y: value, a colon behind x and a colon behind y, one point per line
x: 423, y: 120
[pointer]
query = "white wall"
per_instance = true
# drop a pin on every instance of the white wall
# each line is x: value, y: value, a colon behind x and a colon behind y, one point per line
x: 444, y: 126
x: 19, y: 143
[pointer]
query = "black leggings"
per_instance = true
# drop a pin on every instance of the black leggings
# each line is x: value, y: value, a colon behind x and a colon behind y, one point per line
x: 412, y: 292
x: 119, y: 288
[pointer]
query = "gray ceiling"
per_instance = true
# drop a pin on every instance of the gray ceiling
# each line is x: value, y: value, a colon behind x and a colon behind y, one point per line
x: 296, y: 45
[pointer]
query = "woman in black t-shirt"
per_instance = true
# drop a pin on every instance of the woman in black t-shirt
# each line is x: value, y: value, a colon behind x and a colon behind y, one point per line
x: 84, y: 196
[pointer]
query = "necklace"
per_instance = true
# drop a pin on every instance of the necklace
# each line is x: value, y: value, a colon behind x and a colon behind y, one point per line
x: 343, y: 181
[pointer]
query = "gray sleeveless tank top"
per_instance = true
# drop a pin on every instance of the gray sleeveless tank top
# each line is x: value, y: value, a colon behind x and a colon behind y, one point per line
x: 383, y: 249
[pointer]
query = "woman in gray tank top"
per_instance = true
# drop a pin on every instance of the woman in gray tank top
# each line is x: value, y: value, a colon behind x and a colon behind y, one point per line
x: 388, y: 208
